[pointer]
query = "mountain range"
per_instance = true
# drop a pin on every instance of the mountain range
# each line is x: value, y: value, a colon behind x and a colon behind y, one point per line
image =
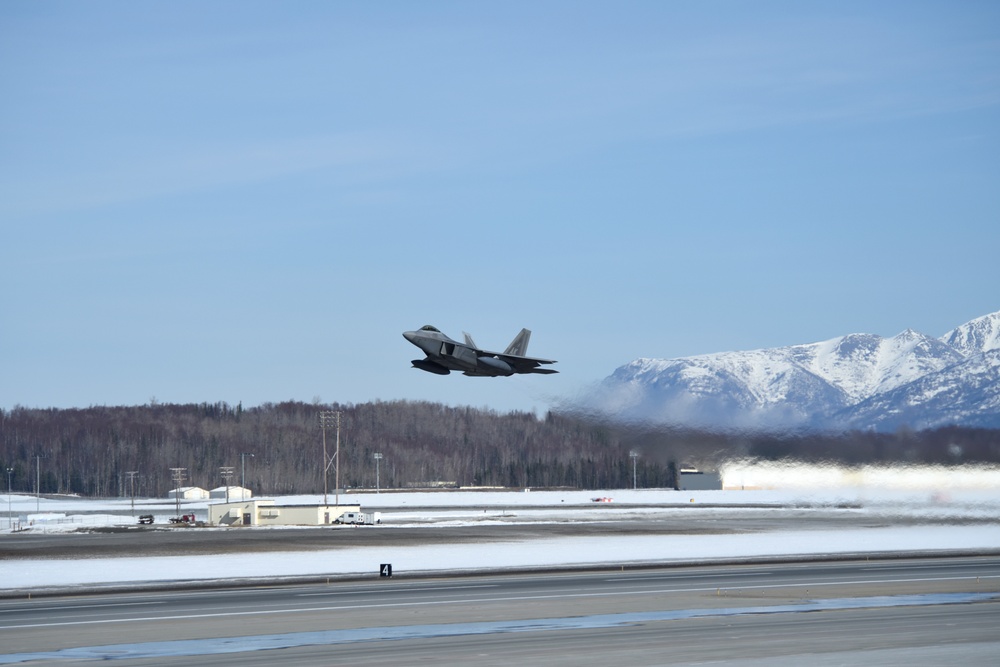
x: 858, y: 381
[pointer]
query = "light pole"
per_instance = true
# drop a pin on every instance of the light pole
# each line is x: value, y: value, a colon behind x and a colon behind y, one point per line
x: 327, y: 419
x: 634, y: 456
x: 131, y: 486
x: 378, y: 457
x: 336, y: 466
x: 243, y: 474
x: 38, y: 481
x: 10, y: 514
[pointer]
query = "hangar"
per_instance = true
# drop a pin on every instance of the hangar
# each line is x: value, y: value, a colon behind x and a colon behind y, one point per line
x: 188, y: 493
x: 231, y: 492
x: 265, y: 512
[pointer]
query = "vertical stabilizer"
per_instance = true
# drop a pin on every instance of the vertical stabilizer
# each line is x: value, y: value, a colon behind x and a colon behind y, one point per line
x: 468, y: 341
x: 519, y: 346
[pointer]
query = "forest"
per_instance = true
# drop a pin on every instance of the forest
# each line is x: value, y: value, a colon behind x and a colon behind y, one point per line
x: 104, y: 451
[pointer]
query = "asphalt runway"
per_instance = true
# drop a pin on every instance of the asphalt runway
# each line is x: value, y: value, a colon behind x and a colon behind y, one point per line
x: 912, y: 611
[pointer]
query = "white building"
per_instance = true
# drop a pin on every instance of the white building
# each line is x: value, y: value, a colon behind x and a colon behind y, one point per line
x: 264, y: 512
x: 188, y: 493
x: 235, y: 493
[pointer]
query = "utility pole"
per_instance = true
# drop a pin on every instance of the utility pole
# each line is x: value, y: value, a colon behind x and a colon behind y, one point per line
x: 131, y: 486
x: 243, y: 474
x: 327, y: 419
x: 634, y: 456
x: 177, y: 475
x: 227, y: 476
x: 378, y: 457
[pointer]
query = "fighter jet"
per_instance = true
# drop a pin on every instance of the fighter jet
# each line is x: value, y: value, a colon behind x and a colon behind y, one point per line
x: 445, y: 355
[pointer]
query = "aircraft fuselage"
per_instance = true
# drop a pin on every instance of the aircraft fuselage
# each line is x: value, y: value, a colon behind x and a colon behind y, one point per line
x: 445, y: 354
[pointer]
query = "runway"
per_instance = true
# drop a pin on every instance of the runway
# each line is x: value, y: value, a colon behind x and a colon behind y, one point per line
x: 921, y: 611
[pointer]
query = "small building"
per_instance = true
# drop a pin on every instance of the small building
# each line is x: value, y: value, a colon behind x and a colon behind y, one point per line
x: 188, y: 493
x: 693, y: 479
x: 235, y: 493
x: 265, y: 512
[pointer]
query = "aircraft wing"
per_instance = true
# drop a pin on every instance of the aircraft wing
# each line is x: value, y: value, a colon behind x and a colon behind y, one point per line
x: 525, y: 364
x: 514, y: 355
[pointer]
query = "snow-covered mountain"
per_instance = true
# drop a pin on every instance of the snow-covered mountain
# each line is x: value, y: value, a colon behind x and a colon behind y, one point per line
x: 967, y: 394
x: 856, y: 381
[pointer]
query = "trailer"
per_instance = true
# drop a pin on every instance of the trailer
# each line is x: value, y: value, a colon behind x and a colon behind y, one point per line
x: 360, y: 518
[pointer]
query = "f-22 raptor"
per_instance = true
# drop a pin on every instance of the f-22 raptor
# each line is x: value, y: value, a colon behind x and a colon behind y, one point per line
x: 445, y: 355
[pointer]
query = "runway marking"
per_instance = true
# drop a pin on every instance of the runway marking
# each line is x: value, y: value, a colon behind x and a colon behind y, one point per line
x: 922, y: 567
x: 408, y: 590
x: 669, y: 577
x: 515, y: 598
x: 92, y: 607
x: 195, y: 647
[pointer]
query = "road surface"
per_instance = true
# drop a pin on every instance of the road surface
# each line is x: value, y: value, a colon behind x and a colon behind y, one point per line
x: 912, y: 611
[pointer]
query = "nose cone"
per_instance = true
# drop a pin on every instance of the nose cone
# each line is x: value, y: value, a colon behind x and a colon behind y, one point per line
x: 410, y: 336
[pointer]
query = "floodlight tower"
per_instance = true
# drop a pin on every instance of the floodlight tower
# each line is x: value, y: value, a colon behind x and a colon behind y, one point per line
x: 378, y: 457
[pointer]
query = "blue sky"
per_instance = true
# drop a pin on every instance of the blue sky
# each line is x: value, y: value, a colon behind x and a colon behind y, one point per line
x: 249, y: 202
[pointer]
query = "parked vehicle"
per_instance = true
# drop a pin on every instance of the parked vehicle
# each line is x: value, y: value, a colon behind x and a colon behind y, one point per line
x: 360, y: 518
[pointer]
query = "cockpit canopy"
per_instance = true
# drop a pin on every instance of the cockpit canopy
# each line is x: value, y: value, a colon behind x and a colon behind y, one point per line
x: 428, y: 327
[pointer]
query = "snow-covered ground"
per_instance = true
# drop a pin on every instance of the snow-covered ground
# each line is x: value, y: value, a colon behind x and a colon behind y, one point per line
x: 932, y: 510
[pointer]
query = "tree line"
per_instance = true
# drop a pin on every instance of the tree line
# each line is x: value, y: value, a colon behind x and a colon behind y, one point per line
x: 105, y: 451
x: 115, y: 451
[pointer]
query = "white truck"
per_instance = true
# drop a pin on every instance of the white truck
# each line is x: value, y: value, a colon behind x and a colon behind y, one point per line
x: 360, y: 518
